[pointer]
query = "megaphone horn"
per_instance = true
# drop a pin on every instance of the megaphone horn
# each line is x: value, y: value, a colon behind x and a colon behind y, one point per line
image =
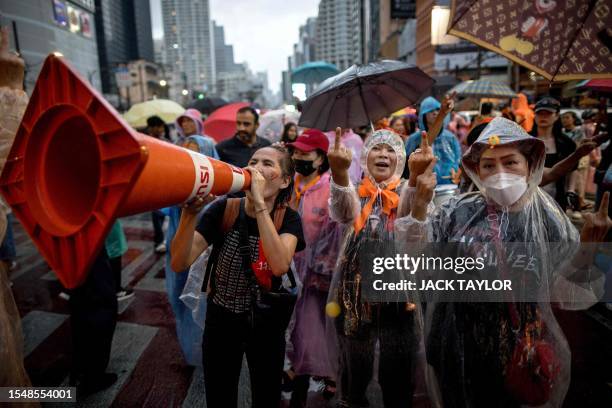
x: 75, y: 166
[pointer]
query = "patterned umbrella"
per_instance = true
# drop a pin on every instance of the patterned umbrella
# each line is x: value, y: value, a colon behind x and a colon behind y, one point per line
x: 484, y: 89
x: 559, y: 39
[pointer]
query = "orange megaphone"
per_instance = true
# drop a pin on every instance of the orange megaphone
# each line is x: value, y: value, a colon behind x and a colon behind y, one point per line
x: 75, y: 166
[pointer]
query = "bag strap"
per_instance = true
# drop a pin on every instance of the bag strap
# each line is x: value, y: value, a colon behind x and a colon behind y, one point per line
x: 232, y: 207
x: 245, y: 248
x: 230, y: 214
x: 279, y: 216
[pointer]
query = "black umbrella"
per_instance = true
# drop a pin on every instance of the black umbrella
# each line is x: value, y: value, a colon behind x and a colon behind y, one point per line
x: 207, y: 105
x: 364, y: 93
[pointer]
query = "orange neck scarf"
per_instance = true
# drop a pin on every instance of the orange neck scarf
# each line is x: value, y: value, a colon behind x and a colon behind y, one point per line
x: 298, y: 192
x: 390, y: 200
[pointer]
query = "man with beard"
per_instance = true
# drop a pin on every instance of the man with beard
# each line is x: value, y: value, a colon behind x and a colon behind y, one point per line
x: 239, y: 149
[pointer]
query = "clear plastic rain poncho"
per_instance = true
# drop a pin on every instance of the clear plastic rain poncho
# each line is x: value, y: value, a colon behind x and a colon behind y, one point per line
x: 470, y: 344
x: 361, y: 323
x: 12, y: 372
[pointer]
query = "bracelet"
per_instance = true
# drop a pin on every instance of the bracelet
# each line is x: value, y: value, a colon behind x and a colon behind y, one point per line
x: 260, y: 210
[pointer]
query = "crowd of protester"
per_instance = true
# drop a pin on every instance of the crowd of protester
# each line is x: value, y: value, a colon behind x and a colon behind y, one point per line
x: 279, y: 267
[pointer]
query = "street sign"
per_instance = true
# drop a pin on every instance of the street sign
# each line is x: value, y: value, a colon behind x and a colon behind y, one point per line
x: 123, y: 77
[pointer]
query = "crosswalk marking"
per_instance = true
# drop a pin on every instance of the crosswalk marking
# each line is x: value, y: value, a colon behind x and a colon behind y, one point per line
x: 37, y: 326
x: 129, y: 342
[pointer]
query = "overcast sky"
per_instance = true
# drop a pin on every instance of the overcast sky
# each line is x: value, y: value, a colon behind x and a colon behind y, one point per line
x: 262, y: 31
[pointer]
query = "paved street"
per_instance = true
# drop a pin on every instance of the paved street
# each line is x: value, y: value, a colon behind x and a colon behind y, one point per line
x: 146, y: 354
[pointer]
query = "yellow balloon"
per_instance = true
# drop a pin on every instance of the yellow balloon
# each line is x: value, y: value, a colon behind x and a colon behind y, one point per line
x: 332, y: 309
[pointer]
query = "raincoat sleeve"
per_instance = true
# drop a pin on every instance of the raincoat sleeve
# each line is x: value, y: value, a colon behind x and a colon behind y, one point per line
x: 408, y: 228
x: 579, y: 283
x: 343, y: 203
x: 12, y: 106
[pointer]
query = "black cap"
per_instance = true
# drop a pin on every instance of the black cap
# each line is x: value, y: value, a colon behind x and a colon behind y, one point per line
x: 549, y: 104
x: 588, y: 114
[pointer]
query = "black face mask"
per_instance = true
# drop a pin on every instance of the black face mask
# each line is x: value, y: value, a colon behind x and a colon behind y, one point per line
x: 304, y: 167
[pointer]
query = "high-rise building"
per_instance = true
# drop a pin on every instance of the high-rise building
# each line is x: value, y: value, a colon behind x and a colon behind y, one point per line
x: 305, y: 49
x: 224, y: 53
x: 143, y: 31
x: 123, y: 29
x: 386, y: 23
x: 189, y: 44
x: 40, y: 27
x: 337, y: 40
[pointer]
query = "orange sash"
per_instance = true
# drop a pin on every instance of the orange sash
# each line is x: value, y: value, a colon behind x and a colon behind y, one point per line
x: 390, y: 200
x: 295, y: 202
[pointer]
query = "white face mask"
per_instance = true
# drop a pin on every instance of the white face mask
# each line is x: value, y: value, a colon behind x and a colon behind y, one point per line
x: 505, y: 188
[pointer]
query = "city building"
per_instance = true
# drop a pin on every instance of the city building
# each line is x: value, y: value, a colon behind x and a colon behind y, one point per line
x: 189, y: 43
x: 242, y: 85
x: 305, y: 49
x: 453, y: 62
x: 384, y: 21
x: 335, y: 34
x: 407, y: 42
x: 148, y: 82
x: 224, y: 53
x: 123, y: 29
x: 40, y: 27
x: 142, y: 30
x: 159, y: 51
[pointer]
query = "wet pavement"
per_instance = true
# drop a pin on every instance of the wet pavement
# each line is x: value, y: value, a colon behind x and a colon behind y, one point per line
x: 147, y: 358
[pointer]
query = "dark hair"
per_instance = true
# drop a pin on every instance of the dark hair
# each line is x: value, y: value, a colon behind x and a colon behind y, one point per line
x: 325, y: 165
x: 588, y: 114
x: 404, y: 122
x: 557, y: 128
x: 285, y: 137
x: 154, y: 121
x: 288, y: 169
x: 577, y: 121
x: 250, y: 110
x: 486, y: 108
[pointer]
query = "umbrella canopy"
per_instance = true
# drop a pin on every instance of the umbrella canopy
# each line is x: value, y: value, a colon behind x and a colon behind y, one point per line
x: 601, y: 85
x: 364, y: 93
x: 164, y: 108
x: 560, y: 40
x: 484, y: 89
x: 208, y: 105
x: 313, y: 72
x: 221, y: 124
x: 271, y: 123
x: 404, y: 112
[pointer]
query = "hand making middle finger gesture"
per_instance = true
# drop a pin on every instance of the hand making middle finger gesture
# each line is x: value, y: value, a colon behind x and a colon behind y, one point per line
x: 425, y: 185
x: 339, y: 157
x: 597, y: 224
x: 420, y: 159
x: 448, y: 103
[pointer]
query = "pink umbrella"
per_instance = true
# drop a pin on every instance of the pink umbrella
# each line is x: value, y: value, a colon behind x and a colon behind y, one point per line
x: 221, y: 124
x: 601, y: 85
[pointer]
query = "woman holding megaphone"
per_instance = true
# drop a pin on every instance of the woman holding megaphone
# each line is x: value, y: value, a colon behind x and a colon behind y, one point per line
x: 253, y: 242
